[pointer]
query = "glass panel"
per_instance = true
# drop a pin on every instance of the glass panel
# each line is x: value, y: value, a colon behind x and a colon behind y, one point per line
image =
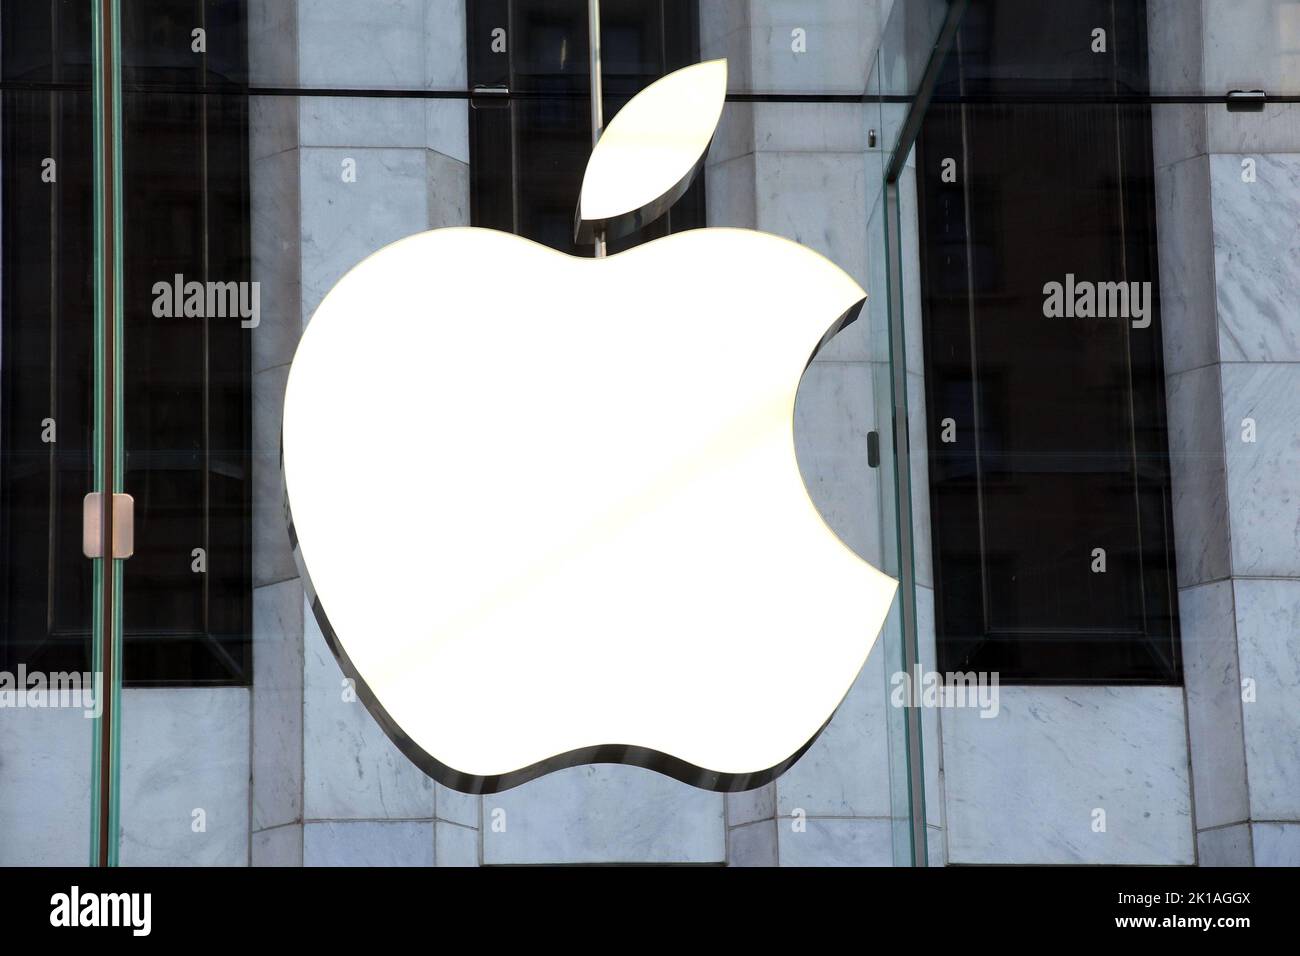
x: 258, y: 171
x: 906, y: 59
x: 893, y: 640
x: 264, y: 148
x: 189, y: 317
x: 908, y: 42
x: 242, y: 208
x: 49, y: 687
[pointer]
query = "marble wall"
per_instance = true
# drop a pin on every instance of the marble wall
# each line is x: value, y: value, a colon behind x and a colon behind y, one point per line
x: 276, y: 740
x: 1070, y: 775
x: 1228, y: 197
x: 333, y: 179
x: 184, y: 781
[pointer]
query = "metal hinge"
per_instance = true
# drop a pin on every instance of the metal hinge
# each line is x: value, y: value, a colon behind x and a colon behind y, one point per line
x: 92, y: 531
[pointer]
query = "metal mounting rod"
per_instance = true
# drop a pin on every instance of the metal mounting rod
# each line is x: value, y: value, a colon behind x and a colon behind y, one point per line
x: 597, y: 110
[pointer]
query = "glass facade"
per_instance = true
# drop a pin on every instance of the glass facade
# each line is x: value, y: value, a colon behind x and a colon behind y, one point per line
x: 1059, y: 420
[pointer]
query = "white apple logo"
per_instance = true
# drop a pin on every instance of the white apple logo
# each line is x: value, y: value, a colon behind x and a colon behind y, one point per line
x: 549, y: 508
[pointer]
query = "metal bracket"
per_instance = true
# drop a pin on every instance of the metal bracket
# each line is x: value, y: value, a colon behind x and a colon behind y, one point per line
x: 92, y: 531
x: 483, y: 97
x: 1246, y: 101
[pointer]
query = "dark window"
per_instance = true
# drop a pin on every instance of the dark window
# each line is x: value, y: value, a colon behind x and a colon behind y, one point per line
x: 46, y: 324
x: 1058, y: 458
x: 528, y: 153
x: 187, y: 408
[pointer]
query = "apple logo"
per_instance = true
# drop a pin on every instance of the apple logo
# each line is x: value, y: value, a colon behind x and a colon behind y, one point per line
x: 548, y: 509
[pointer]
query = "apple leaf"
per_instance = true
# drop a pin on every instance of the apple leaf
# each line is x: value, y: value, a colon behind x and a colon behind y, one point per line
x: 650, y: 152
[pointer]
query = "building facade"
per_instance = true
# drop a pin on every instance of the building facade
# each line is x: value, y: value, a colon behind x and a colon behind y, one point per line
x: 1087, y: 755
